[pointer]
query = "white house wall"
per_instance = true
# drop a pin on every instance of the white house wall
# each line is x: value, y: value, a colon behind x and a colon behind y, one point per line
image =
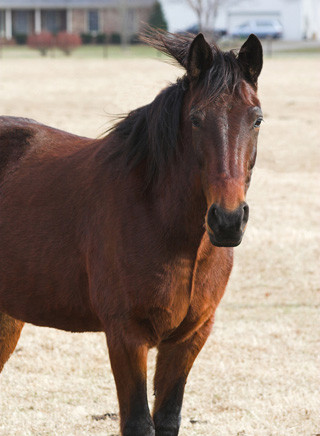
x: 294, y: 15
x: 311, y: 18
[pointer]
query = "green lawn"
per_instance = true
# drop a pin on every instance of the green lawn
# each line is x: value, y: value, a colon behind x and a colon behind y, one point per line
x: 86, y: 51
x: 138, y: 51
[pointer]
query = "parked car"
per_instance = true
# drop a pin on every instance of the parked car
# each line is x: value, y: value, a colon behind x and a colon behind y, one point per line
x: 262, y: 28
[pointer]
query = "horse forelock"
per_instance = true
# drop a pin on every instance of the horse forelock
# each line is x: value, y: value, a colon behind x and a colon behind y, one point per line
x: 173, y: 45
x: 225, y: 79
x: 225, y: 73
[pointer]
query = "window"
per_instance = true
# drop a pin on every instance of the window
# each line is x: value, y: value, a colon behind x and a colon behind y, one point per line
x: 54, y: 21
x: 21, y: 22
x: 2, y: 25
x: 93, y: 20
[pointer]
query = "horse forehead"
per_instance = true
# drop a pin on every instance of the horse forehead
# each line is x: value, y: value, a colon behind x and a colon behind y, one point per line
x: 243, y: 96
x: 227, y: 113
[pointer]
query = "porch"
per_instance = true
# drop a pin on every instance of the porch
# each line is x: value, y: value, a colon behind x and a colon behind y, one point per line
x: 28, y: 21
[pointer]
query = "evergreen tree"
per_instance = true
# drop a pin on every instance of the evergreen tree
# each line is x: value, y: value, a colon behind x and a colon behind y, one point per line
x: 157, y: 18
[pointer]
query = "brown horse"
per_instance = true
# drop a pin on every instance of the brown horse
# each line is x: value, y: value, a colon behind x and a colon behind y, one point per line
x: 132, y: 234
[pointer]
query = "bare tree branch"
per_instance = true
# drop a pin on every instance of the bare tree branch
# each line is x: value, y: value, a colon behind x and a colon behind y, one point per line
x: 207, y: 11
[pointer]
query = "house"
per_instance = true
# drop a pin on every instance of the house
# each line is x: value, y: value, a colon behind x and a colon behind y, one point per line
x: 299, y: 18
x: 24, y: 17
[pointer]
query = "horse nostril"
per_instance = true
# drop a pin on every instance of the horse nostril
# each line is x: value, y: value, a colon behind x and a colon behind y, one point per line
x: 245, y: 216
x: 220, y: 219
x: 226, y: 227
x: 214, y: 212
x: 213, y: 216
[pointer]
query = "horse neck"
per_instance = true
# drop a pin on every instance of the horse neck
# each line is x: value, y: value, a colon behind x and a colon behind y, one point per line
x: 179, y: 200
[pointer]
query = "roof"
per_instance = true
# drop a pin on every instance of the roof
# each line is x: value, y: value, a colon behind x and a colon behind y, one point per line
x: 88, y: 4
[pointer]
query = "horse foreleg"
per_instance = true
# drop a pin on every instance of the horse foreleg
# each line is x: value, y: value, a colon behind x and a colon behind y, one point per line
x: 128, y: 357
x: 10, y: 330
x: 173, y: 365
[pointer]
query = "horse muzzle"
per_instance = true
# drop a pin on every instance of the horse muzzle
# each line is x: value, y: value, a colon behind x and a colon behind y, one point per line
x: 226, y: 228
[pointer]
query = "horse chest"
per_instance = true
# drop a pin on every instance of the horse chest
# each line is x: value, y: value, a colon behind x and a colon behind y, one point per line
x: 196, y: 295
x: 172, y: 299
x: 175, y: 292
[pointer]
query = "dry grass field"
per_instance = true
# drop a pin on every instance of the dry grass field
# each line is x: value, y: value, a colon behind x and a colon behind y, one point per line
x: 259, y: 373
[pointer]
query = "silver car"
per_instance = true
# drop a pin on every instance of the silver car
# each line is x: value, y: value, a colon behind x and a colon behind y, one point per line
x: 262, y: 28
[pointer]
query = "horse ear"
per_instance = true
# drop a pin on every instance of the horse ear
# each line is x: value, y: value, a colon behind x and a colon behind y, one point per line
x: 250, y: 58
x: 200, y: 57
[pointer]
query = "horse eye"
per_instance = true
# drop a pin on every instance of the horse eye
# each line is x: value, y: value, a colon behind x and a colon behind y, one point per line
x: 258, y: 122
x: 196, y: 118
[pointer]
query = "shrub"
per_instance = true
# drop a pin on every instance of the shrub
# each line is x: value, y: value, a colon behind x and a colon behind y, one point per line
x: 5, y: 41
x: 42, y: 42
x: 101, y: 38
x: 135, y: 39
x: 115, y: 38
x: 20, y: 38
x: 67, y: 42
x: 86, y: 38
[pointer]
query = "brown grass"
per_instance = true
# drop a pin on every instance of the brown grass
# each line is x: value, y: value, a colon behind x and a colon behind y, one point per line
x: 259, y: 373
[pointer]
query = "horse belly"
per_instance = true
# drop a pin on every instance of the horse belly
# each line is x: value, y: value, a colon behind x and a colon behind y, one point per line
x: 49, y: 290
x: 46, y: 307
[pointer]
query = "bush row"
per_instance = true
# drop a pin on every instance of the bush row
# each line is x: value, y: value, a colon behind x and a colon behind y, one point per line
x: 88, y: 38
x: 104, y: 38
x: 45, y: 40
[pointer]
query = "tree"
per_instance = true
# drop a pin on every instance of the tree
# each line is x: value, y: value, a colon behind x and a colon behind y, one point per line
x: 157, y: 18
x: 206, y: 11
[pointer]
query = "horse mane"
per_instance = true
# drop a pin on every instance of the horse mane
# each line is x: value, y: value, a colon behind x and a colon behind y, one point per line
x: 150, y: 133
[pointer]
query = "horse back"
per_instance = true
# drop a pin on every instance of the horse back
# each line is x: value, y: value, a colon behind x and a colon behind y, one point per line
x: 21, y: 136
x: 15, y: 136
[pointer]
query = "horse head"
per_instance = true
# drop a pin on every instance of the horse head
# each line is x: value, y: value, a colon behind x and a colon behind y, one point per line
x: 223, y: 113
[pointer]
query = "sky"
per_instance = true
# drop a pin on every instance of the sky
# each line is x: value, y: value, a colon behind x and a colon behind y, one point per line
x: 178, y: 14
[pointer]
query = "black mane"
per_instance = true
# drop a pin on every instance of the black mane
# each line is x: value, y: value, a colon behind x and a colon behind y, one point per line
x: 150, y: 133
